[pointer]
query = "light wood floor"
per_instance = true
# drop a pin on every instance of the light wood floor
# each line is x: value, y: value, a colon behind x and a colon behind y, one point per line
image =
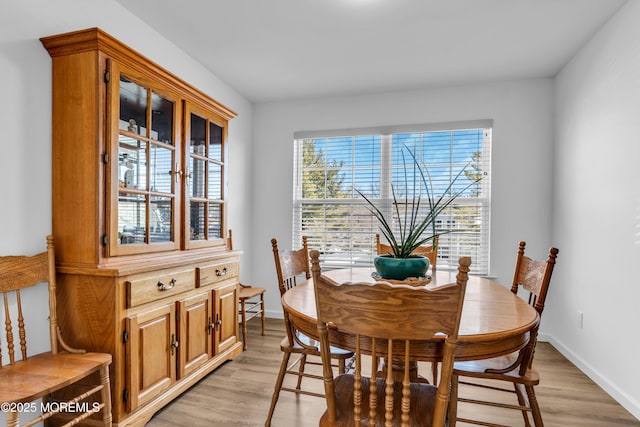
x: 239, y: 393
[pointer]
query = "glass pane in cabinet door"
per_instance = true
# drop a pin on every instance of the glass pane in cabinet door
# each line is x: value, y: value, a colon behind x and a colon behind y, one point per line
x: 215, y: 221
x: 198, y: 135
x: 132, y: 165
x: 161, y: 119
x: 132, y: 214
x: 133, y: 107
x: 160, y: 219
x: 197, y: 220
x: 215, y: 142
x: 196, y: 179
x: 215, y: 181
x: 161, y: 162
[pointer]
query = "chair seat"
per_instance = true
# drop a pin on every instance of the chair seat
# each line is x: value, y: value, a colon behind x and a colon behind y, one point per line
x: 478, y: 369
x: 248, y: 292
x: 297, y: 348
x: 45, y: 373
x: 421, y: 403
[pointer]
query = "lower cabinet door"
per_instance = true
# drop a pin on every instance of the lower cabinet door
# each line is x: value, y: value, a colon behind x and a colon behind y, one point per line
x: 225, y: 300
x: 195, y: 332
x: 150, y: 351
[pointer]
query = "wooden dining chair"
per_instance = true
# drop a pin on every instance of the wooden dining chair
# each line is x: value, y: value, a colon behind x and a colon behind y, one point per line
x: 531, y: 281
x: 28, y: 377
x: 385, y: 320
x: 250, y: 302
x: 430, y: 252
x: 291, y: 266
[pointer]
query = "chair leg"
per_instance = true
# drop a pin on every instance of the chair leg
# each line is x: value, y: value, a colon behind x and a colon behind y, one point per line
x: 243, y: 316
x: 522, y: 402
x: 453, y: 401
x: 303, y: 361
x: 262, y: 311
x: 278, y: 386
x: 12, y: 419
x: 106, y: 395
x: 535, y: 409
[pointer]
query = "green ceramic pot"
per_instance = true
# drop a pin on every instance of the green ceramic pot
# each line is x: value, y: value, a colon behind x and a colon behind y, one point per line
x: 401, y: 268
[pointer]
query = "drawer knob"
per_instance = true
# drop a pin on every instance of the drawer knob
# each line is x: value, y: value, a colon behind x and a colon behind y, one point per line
x: 164, y: 287
x: 222, y: 272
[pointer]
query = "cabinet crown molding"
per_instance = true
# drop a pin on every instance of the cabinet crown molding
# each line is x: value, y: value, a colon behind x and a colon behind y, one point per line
x: 95, y: 39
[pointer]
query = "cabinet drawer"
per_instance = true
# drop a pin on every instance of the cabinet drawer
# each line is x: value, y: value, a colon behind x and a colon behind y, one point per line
x: 215, y: 273
x: 159, y: 285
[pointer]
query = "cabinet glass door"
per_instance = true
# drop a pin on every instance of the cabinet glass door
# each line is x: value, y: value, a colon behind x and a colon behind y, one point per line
x: 147, y: 177
x: 205, y: 137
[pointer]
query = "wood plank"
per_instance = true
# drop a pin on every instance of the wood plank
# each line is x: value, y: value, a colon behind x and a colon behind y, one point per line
x: 239, y: 392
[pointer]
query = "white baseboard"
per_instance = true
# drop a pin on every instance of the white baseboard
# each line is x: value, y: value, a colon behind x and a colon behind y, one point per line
x: 274, y: 314
x: 628, y: 402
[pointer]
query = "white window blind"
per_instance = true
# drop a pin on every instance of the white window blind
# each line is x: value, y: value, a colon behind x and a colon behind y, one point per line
x: 329, y: 166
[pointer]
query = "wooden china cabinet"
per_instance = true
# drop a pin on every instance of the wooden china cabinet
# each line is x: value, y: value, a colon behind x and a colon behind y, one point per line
x: 139, y: 168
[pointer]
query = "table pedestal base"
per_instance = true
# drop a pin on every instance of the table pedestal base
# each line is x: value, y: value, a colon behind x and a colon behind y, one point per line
x: 397, y: 371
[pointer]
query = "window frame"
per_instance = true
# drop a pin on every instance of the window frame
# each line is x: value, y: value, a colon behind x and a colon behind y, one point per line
x: 360, y: 249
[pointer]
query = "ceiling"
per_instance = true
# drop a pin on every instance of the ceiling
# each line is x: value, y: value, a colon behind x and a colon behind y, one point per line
x: 274, y: 50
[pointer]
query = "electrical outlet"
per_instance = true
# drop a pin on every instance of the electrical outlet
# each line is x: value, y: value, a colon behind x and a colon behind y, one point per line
x: 580, y: 320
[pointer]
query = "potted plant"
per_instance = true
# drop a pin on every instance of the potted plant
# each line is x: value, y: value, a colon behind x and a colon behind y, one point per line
x: 413, y: 228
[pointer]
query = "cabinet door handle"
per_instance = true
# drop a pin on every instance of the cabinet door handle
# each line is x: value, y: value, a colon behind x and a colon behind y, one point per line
x: 174, y: 344
x: 218, y: 321
x: 164, y: 287
x: 222, y: 272
x: 211, y: 326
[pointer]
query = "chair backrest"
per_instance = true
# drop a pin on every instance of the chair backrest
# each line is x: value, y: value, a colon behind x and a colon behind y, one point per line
x: 430, y: 252
x: 384, y: 318
x: 533, y: 277
x: 17, y: 273
x: 291, y: 265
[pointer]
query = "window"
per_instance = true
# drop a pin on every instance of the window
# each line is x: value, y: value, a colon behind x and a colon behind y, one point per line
x: 331, y: 165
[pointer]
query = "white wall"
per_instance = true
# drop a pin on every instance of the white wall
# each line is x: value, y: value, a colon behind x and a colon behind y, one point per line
x: 25, y: 118
x: 597, y: 209
x: 521, y: 176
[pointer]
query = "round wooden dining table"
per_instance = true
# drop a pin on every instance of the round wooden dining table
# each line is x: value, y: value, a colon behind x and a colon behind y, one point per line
x: 494, y: 321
